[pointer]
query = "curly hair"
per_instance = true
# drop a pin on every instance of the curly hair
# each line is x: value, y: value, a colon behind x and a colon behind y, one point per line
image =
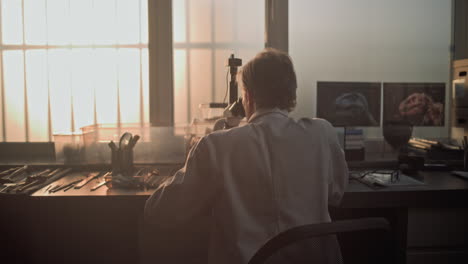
x: 271, y: 80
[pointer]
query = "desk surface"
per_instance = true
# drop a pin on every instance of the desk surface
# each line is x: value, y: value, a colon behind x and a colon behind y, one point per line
x: 98, y: 214
x: 85, y: 191
x: 441, y: 189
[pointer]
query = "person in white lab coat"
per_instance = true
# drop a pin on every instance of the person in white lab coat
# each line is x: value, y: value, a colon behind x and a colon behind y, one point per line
x: 255, y: 181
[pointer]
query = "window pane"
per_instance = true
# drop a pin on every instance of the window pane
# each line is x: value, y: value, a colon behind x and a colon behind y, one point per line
x: 223, y: 27
x: 13, y: 74
x: 58, y: 22
x: 224, y: 21
x: 200, y: 79
x: 80, y: 80
x: 145, y: 80
x: 200, y: 20
x: 12, y: 25
x: 250, y: 22
x: 36, y: 82
x: 105, y: 83
x: 60, y: 89
x: 129, y: 85
x: 81, y: 26
x: 82, y: 87
x: 179, y: 20
x: 144, y: 21
x: 35, y: 21
x: 128, y: 22
x: 104, y: 25
x: 180, y: 87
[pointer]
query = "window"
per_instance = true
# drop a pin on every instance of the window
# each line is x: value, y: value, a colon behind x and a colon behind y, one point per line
x: 205, y: 33
x: 66, y: 64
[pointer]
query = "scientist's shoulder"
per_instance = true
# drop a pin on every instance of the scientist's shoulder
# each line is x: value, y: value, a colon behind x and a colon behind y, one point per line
x: 232, y: 133
x: 315, y: 123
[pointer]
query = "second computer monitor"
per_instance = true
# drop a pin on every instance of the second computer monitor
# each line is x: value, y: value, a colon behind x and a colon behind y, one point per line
x: 419, y: 104
x: 346, y: 104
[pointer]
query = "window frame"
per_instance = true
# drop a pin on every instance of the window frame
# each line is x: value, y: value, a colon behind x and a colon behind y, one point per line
x: 160, y: 50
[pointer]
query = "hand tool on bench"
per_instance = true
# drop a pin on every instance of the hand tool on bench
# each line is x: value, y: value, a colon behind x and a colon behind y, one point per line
x: 105, y: 180
x: 99, y: 185
x: 67, y: 185
x: 33, y: 179
x: 55, y: 188
x: 91, y: 176
x: 50, y: 178
x: 9, y: 178
x: 6, y: 172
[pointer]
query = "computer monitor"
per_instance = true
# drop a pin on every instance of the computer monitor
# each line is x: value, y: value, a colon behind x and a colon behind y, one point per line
x: 419, y: 104
x: 348, y: 104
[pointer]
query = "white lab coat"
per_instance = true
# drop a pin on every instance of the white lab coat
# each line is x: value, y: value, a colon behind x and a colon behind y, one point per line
x: 258, y: 180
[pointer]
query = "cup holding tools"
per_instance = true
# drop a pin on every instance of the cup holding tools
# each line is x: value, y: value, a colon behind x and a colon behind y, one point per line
x: 122, y: 160
x: 122, y: 156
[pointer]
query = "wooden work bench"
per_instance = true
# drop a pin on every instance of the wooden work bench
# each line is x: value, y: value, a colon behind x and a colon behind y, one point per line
x: 430, y: 222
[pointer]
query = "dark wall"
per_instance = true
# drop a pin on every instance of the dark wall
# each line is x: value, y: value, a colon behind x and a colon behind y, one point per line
x: 26, y: 152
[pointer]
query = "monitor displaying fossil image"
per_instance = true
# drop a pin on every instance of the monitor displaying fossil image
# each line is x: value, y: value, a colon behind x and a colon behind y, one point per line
x: 419, y: 104
x: 346, y: 104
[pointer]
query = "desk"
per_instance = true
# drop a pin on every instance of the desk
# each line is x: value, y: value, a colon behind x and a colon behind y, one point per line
x: 430, y: 221
x: 441, y: 189
x: 104, y: 226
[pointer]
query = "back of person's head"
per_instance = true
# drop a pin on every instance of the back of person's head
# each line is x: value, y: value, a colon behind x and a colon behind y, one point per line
x: 271, y: 80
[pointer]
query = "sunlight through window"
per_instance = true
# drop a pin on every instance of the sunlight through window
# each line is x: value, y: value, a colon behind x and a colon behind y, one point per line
x: 70, y: 64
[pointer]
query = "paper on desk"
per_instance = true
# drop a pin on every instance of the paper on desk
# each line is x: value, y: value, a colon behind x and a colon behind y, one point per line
x: 385, y: 179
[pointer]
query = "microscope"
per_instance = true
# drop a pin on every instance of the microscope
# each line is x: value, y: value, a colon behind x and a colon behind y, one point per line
x: 234, y: 112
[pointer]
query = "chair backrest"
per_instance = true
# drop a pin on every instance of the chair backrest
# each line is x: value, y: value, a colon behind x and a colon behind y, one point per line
x: 312, y: 231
